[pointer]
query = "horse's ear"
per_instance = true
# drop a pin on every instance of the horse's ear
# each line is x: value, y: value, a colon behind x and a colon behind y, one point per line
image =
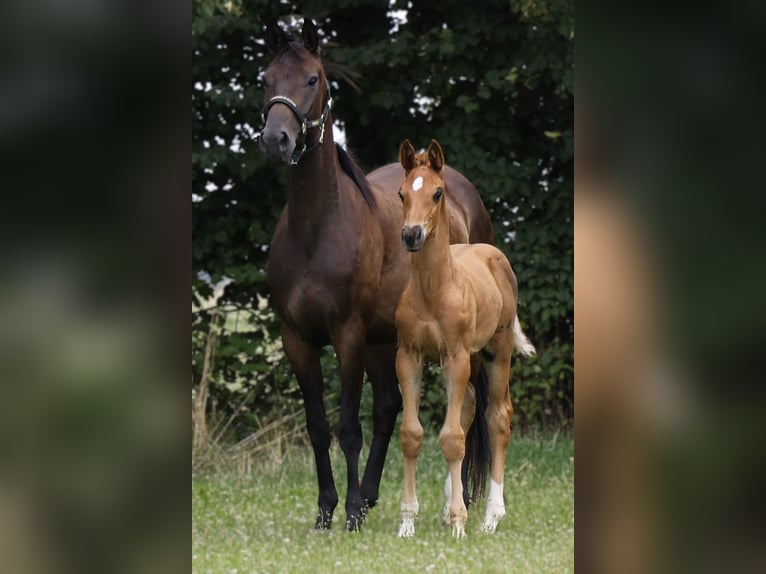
x: 310, y: 36
x: 435, y: 156
x: 276, y: 38
x: 407, y: 156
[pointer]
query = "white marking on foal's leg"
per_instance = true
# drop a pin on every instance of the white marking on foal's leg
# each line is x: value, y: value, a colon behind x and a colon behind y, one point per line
x: 495, y: 507
x: 409, y: 512
x: 447, y: 498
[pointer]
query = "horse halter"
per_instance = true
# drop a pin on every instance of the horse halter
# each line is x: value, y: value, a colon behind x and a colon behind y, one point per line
x: 306, y: 124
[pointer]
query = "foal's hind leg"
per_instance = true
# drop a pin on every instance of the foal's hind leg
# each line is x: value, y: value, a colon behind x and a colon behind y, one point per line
x: 498, y: 416
x: 380, y: 363
x: 304, y: 360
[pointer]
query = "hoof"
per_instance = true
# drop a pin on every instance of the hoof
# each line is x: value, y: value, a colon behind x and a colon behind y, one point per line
x: 323, y: 521
x: 489, y: 526
x: 407, y: 528
x: 458, y: 530
x: 495, y: 512
x: 355, y: 523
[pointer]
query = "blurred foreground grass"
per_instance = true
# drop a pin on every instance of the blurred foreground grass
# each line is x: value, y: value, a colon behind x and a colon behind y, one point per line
x: 261, y: 521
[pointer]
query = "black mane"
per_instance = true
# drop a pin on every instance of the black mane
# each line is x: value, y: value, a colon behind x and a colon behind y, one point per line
x: 349, y: 166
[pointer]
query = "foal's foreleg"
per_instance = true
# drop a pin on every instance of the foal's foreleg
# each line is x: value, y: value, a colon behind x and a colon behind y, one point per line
x: 457, y: 370
x: 498, y: 415
x: 467, y: 416
x: 409, y: 367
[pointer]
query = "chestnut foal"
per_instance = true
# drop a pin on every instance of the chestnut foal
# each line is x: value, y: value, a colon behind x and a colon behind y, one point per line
x: 459, y: 300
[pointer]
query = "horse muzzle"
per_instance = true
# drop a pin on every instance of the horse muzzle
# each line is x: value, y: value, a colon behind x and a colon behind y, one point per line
x: 277, y: 145
x: 413, y: 237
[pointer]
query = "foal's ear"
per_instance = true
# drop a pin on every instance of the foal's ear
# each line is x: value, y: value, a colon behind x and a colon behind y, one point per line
x: 310, y: 36
x: 276, y: 38
x: 435, y: 156
x: 407, y: 156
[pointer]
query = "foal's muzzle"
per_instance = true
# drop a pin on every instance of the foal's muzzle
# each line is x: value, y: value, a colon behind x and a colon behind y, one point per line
x: 413, y: 237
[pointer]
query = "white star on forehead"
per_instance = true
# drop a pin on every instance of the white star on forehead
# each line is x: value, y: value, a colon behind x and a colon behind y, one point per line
x: 417, y: 184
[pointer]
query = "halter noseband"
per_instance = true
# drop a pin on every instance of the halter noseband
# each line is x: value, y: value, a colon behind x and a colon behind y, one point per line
x: 306, y: 124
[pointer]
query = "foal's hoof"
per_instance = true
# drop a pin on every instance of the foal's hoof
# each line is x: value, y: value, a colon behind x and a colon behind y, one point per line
x: 458, y: 529
x: 489, y: 526
x: 407, y: 528
x: 323, y: 521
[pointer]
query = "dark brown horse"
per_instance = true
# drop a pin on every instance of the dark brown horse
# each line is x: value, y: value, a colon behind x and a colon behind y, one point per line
x: 336, y: 265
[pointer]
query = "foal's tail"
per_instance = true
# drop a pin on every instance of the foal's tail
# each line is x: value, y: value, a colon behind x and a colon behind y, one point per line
x: 523, y: 345
x: 478, y: 454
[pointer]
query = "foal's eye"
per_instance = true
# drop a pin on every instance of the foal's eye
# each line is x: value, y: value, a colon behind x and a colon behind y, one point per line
x: 313, y: 81
x: 401, y: 196
x: 438, y: 194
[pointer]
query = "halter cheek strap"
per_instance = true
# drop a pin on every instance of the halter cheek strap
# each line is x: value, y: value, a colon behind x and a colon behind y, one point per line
x: 306, y: 124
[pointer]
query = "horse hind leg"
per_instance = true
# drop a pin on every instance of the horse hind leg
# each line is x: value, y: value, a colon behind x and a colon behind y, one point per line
x: 305, y: 361
x: 498, y: 416
x: 380, y: 363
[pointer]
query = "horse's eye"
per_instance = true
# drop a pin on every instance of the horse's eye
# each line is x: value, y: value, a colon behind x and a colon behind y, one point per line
x: 438, y: 194
x: 313, y: 80
x: 401, y: 196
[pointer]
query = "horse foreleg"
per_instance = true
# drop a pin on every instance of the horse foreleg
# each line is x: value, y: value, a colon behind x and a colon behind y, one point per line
x: 457, y: 370
x: 349, y: 348
x: 409, y: 366
x: 498, y: 416
x: 305, y: 362
x: 380, y: 363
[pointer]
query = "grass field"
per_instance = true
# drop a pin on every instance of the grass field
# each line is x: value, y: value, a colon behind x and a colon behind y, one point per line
x: 261, y: 520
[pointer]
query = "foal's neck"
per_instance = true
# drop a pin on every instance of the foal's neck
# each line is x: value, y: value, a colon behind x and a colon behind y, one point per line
x: 432, y: 266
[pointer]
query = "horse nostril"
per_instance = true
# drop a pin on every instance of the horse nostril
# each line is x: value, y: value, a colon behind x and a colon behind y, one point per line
x: 284, y: 140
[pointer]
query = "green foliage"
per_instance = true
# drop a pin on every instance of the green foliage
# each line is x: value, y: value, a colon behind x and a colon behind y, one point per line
x: 493, y: 82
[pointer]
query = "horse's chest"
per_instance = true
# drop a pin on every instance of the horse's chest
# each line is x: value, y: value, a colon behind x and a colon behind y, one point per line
x: 307, y: 291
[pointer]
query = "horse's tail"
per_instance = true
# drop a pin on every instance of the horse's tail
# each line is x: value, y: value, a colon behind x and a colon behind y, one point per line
x: 524, y: 346
x: 477, y: 450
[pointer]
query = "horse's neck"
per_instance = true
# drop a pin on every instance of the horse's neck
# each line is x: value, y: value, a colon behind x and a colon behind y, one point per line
x: 432, y: 266
x: 313, y: 195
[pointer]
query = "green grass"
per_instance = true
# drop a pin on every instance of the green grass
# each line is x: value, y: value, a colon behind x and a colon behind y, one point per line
x: 262, y: 521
